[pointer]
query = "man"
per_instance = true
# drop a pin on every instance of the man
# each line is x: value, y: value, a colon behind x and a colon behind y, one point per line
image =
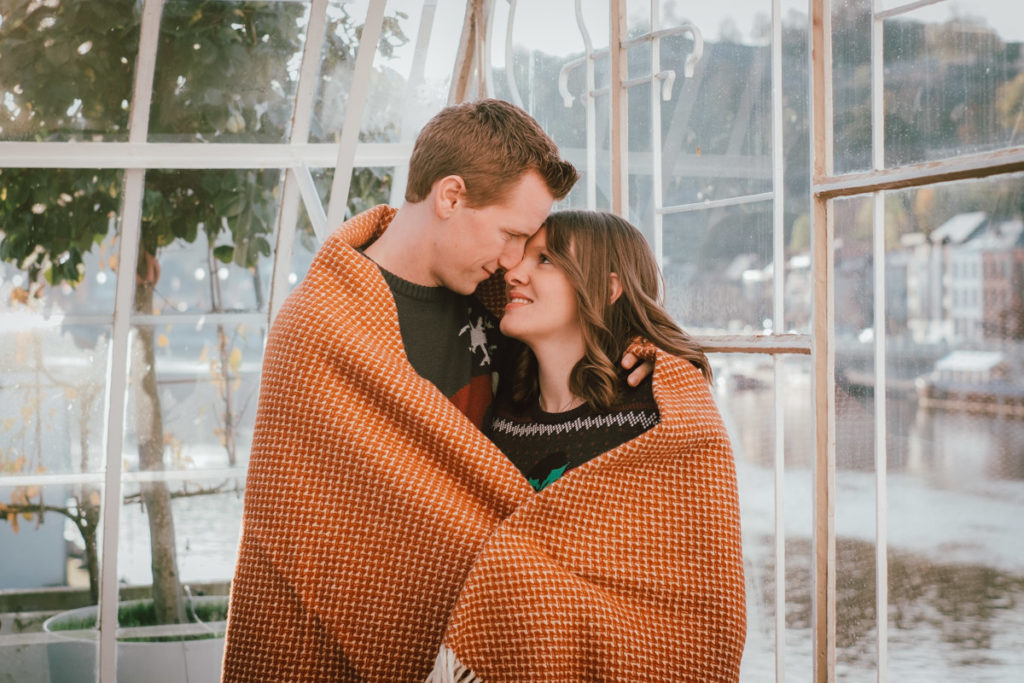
x: 369, y: 491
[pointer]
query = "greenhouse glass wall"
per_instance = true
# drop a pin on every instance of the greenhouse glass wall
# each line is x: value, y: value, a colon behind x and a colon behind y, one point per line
x: 834, y: 190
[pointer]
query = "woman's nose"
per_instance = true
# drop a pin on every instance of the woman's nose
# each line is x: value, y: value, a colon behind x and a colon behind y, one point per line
x: 514, y: 276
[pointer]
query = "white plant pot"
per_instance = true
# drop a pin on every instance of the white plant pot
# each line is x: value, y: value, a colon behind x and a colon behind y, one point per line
x: 72, y: 654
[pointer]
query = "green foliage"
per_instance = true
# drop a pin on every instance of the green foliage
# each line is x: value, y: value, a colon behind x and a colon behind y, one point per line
x: 222, y: 71
x: 67, y: 68
x: 225, y: 72
x: 49, y: 218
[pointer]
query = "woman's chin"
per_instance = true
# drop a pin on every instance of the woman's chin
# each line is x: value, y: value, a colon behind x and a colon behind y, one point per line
x: 511, y: 330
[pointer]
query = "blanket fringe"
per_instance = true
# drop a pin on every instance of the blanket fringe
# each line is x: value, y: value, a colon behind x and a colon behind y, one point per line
x: 448, y: 669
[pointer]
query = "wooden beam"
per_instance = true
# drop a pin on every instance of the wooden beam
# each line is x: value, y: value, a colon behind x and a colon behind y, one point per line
x: 823, y: 602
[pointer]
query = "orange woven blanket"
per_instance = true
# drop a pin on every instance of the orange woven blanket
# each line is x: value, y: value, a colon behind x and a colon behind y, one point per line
x: 378, y: 520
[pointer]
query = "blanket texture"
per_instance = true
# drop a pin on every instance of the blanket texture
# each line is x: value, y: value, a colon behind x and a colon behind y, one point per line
x: 379, y: 521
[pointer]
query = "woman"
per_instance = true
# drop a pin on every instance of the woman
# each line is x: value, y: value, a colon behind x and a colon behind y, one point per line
x: 587, y: 285
x: 626, y: 566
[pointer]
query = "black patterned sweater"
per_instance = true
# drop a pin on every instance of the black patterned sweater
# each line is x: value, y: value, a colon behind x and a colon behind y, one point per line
x: 544, y: 446
x: 451, y: 340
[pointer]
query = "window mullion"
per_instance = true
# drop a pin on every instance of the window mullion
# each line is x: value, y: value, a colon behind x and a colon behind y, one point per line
x: 618, y: 72
x: 878, y: 250
x: 354, y: 106
x: 778, y: 324
x: 823, y: 604
x: 131, y: 219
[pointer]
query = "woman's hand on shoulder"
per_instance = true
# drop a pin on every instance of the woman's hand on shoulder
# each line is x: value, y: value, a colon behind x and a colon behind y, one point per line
x: 639, y: 358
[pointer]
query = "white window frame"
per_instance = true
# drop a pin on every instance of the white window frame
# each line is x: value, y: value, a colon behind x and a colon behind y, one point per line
x: 298, y: 155
x: 826, y: 186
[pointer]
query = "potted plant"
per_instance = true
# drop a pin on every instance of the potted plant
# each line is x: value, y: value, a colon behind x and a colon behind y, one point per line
x: 146, y: 650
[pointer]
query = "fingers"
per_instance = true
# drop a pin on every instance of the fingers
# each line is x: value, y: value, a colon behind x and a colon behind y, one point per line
x: 629, y: 360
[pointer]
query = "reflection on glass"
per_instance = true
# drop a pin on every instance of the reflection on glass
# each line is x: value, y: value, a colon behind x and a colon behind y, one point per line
x: 50, y: 539
x: 52, y: 398
x: 954, y: 430
x: 227, y: 71
x: 745, y: 393
x: 851, y: 85
x: 954, y: 81
x: 191, y: 559
x: 67, y: 69
x: 717, y: 267
x: 391, y: 91
x: 192, y: 395
x: 206, y: 243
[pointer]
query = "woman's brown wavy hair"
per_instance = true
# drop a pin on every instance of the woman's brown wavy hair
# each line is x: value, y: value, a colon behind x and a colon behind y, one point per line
x: 588, y: 246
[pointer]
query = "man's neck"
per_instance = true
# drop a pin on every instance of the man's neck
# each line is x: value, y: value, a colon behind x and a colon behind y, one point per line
x: 404, y: 248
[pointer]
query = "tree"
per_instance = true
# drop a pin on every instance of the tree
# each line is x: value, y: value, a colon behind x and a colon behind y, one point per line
x: 224, y: 73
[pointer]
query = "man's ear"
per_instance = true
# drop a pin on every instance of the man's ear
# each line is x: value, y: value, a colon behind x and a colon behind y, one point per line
x: 614, y: 288
x: 449, y: 193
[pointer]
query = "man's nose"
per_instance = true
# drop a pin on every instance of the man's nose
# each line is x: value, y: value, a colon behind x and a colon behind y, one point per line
x: 511, y: 255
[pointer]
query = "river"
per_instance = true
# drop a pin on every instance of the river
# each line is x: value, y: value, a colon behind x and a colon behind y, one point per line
x: 955, y: 528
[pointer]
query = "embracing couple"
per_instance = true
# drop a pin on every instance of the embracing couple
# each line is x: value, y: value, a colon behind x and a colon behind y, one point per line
x: 457, y: 473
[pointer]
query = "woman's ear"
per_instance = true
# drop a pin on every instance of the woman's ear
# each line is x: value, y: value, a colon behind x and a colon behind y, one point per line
x: 614, y: 288
x: 449, y: 193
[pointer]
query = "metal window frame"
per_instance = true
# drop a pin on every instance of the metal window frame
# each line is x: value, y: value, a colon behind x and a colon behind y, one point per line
x: 776, y: 345
x: 826, y: 186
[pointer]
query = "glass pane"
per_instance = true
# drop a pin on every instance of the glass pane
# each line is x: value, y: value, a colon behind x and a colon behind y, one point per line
x: 207, y: 241
x: 955, y: 421
x: 716, y: 130
x: 954, y: 81
x: 45, y: 582
x: 851, y: 85
x: 57, y: 284
x: 546, y: 39
x: 192, y: 395
x: 369, y: 187
x: 638, y: 17
x: 66, y: 69
x: 53, y: 394
x: 744, y: 387
x: 406, y: 87
x: 58, y: 244
x: 412, y: 70
x: 996, y: 16
x: 856, y: 588
x: 717, y: 268
x: 227, y: 71
x: 702, y: 158
x: 179, y: 542
x: 797, y: 168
